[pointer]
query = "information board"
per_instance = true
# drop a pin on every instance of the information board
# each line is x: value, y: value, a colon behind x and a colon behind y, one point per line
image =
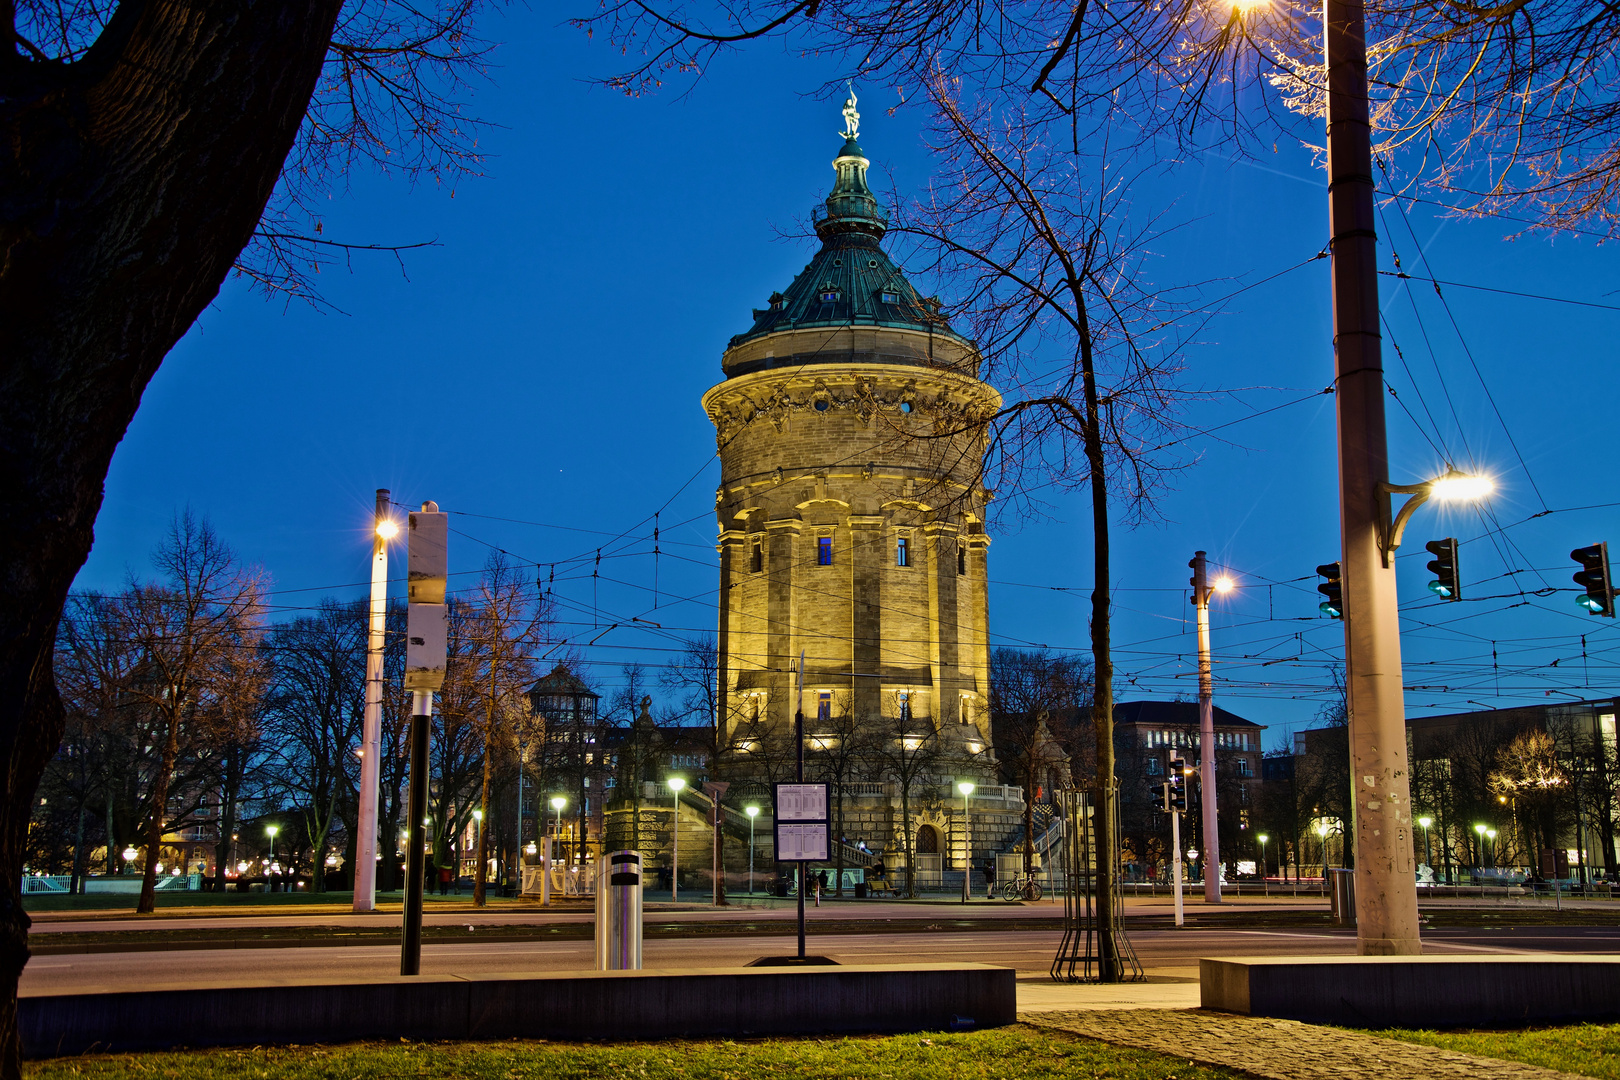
x: 801, y: 841
x: 801, y: 802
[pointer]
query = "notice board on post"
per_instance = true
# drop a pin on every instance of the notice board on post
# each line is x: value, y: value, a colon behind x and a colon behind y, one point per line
x: 801, y: 822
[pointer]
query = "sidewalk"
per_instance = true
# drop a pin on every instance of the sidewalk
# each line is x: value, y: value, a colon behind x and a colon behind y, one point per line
x: 1274, y: 1049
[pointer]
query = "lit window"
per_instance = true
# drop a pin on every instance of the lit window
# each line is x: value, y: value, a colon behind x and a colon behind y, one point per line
x: 902, y: 556
x: 823, y: 551
x: 824, y: 706
x: 905, y: 705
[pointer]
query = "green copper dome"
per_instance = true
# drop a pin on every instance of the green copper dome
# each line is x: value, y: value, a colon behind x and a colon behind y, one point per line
x: 851, y: 282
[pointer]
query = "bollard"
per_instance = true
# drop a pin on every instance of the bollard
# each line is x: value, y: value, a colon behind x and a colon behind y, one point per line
x: 1343, y: 899
x: 618, y: 911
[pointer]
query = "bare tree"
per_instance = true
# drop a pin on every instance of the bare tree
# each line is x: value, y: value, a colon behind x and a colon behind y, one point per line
x: 908, y: 751
x: 513, y: 620
x: 1035, y: 696
x: 317, y: 707
x: 142, y: 144
x: 187, y: 626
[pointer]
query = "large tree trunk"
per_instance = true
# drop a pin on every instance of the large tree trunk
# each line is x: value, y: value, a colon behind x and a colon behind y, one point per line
x: 160, y: 806
x: 129, y: 182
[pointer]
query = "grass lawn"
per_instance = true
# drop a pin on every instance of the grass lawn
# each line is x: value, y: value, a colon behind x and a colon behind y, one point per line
x: 1015, y: 1053
x: 1587, y: 1049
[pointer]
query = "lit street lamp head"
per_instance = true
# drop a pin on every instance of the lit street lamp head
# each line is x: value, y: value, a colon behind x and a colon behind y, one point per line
x: 1457, y: 486
x: 1425, y: 821
x: 558, y: 802
x: 751, y: 811
x: 1480, y: 829
x: 387, y: 529
x: 271, y: 830
x: 1224, y: 584
x: 676, y: 783
x: 965, y: 787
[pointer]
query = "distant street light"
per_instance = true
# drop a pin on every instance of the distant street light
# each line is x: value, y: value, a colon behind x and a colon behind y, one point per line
x: 1428, y: 858
x: 966, y: 788
x: 1479, y: 856
x: 752, y: 812
x: 1264, y: 882
x: 675, y: 785
x: 129, y: 854
x: 271, y: 831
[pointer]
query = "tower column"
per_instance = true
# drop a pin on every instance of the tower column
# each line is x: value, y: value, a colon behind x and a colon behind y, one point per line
x: 943, y: 651
x: 781, y: 568
x: 868, y: 553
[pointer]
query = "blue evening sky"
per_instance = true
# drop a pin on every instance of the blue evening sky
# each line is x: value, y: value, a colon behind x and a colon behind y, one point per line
x: 540, y: 371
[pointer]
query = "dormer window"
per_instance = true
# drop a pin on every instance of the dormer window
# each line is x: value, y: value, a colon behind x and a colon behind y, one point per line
x: 891, y: 298
x: 830, y: 296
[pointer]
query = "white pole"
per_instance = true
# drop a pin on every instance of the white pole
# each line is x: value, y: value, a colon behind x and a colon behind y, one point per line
x: 967, y: 846
x: 751, y: 854
x: 675, y: 846
x: 365, y: 845
x: 1175, y: 861
x: 1206, y: 735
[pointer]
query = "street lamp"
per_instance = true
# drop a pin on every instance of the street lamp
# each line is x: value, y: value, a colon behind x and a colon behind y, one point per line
x: 1321, y: 832
x: 1264, y: 882
x: 676, y: 783
x: 1479, y: 855
x: 1428, y: 858
x: 271, y: 831
x: 1202, y: 588
x: 129, y: 854
x: 384, y: 529
x: 1490, y: 834
x: 752, y: 812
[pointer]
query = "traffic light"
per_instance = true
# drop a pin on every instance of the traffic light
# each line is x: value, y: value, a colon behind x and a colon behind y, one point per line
x: 1447, y: 584
x: 1176, y: 789
x: 1333, y: 589
x: 1594, y: 580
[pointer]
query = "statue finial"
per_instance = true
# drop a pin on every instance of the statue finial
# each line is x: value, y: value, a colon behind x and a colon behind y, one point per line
x: 852, y: 119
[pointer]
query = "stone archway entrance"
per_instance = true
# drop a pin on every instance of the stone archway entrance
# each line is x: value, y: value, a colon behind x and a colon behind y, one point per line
x: 927, y: 840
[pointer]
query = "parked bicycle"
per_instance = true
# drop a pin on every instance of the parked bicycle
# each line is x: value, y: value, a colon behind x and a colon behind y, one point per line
x: 1022, y: 887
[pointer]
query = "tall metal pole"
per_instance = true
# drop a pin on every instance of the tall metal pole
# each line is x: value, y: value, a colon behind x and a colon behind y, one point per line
x: 365, y: 844
x: 1175, y: 860
x: 675, y: 847
x: 1206, y: 734
x: 1386, y: 890
x: 410, y: 950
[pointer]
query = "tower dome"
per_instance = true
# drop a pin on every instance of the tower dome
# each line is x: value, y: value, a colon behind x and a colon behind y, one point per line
x: 850, y: 282
x: 850, y: 507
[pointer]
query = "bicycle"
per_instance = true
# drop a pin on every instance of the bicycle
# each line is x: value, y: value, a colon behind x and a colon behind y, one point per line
x: 1021, y: 887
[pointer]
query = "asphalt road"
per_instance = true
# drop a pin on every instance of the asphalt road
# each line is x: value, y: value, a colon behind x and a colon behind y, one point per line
x: 1165, y: 954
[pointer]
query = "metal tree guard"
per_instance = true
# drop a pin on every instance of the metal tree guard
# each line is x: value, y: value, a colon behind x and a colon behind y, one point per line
x: 1081, y: 931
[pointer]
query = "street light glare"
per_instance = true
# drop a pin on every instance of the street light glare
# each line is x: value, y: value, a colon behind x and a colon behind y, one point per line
x: 751, y: 811
x: 387, y: 529
x: 676, y: 783
x: 965, y: 787
x: 1425, y: 821
x: 1243, y: 7
x: 1224, y: 584
x: 1461, y: 487
x: 558, y: 802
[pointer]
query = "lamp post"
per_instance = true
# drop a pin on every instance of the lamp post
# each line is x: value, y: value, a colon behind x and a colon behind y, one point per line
x: 966, y: 788
x: 1202, y: 587
x: 365, y: 843
x: 752, y: 812
x: 478, y: 840
x: 1428, y: 858
x: 1321, y: 832
x: 271, y: 831
x: 1264, y: 882
x: 129, y: 854
x: 676, y: 783
x: 1479, y: 850
x: 557, y: 804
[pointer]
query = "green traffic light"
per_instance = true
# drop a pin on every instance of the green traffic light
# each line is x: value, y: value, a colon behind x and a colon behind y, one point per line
x: 1439, y: 590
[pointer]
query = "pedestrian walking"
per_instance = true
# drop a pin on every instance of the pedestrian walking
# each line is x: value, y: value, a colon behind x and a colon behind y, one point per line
x: 990, y: 878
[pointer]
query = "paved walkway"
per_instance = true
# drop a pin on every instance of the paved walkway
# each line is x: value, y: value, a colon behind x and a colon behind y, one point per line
x: 1279, y: 1049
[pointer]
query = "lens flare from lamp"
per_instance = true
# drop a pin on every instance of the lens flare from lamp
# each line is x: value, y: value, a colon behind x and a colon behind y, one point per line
x: 387, y: 529
x: 1461, y: 487
x: 1224, y: 584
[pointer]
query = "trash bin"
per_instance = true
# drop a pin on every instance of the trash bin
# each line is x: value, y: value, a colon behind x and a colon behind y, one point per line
x: 1343, y: 896
x: 618, y: 911
x: 860, y: 890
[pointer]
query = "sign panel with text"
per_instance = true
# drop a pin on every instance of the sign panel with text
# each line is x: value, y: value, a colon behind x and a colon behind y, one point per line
x: 798, y: 841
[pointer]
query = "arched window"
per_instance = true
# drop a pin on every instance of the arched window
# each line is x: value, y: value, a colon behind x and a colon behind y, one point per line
x: 927, y: 840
